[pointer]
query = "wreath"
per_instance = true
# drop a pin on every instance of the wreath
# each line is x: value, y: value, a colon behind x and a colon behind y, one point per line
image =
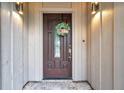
x: 62, y: 29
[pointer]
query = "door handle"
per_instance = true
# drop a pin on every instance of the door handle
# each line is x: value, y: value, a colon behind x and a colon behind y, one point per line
x: 69, y: 50
x: 69, y: 54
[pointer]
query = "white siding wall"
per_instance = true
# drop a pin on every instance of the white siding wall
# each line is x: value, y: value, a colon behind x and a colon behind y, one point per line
x: 105, y: 47
x: 14, y: 52
x: 14, y: 45
x: 118, y: 46
x: 100, y: 47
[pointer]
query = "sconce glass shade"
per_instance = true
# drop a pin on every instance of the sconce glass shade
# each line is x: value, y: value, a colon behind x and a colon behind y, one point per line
x: 95, y: 7
x: 21, y: 12
x: 19, y: 7
x: 93, y: 12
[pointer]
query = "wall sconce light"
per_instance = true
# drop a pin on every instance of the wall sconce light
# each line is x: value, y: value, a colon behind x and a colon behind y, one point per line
x: 19, y: 7
x: 95, y: 7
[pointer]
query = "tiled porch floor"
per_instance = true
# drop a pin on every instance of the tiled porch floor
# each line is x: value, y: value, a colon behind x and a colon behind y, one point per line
x: 57, y: 85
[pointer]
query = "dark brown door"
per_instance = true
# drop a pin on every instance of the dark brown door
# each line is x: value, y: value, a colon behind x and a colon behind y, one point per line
x: 57, y: 50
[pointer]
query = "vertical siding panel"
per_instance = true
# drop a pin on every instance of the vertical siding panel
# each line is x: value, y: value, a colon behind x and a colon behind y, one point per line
x: 6, y: 45
x: 25, y: 43
x: 36, y: 33
x: 107, y: 46
x: 118, y: 46
x: 17, y: 50
x: 31, y: 43
x: 34, y: 42
x: 95, y: 50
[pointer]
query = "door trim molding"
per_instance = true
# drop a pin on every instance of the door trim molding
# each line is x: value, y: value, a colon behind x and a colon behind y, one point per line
x: 79, y: 30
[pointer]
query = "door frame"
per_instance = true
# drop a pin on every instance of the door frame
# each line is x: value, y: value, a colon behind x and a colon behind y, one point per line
x: 58, y: 10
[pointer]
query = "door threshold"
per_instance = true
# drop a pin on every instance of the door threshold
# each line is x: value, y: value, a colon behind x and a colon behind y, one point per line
x: 57, y: 79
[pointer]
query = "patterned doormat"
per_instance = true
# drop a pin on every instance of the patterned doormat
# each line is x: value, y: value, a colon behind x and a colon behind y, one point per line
x: 57, y: 85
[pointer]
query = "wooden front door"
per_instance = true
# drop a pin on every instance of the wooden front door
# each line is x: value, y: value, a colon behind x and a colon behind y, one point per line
x: 57, y: 50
